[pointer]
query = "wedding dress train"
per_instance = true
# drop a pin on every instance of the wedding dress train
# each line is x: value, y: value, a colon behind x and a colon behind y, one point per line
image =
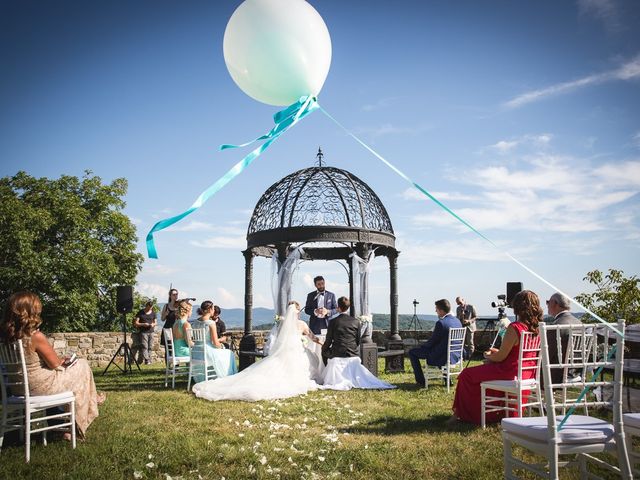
x: 284, y: 373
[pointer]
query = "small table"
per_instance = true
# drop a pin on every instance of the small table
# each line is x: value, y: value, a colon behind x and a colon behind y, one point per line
x: 393, y: 361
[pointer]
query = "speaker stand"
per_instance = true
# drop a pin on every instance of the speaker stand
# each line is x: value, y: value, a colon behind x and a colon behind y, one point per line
x: 125, y: 350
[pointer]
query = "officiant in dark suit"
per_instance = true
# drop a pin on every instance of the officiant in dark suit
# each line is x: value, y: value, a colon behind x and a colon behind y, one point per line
x: 321, y: 306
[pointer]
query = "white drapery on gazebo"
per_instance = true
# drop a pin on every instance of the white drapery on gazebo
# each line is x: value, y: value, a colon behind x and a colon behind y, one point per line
x: 360, y: 268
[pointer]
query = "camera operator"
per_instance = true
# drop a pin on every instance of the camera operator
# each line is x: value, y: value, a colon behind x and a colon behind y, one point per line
x: 145, y: 323
x: 467, y: 314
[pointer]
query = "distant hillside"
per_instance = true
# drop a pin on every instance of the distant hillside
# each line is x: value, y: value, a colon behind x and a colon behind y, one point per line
x: 380, y: 321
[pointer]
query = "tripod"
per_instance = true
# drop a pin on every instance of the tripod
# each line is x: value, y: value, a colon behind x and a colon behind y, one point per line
x: 488, y: 328
x: 415, y: 321
x: 125, y: 350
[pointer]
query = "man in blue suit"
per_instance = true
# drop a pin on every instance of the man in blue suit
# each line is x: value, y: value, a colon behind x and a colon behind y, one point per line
x: 321, y: 306
x: 435, y: 350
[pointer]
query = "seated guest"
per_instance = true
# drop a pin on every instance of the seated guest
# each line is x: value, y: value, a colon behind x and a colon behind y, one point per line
x: 221, y: 328
x: 222, y: 359
x: 558, y: 307
x: 500, y: 364
x: 181, y: 327
x: 47, y: 373
x: 341, y: 354
x: 435, y: 349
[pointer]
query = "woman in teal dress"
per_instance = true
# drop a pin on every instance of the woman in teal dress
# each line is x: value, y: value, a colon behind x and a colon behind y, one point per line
x: 223, y: 360
x: 181, y: 328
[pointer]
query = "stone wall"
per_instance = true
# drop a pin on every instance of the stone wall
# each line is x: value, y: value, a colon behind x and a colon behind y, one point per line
x: 99, y: 347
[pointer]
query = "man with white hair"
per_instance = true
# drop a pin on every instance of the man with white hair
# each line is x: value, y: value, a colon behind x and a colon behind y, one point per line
x: 558, y: 307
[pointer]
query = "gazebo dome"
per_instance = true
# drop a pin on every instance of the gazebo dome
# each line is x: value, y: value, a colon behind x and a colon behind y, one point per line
x: 320, y: 203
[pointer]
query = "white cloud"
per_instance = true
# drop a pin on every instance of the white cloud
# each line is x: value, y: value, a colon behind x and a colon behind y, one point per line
x: 504, y: 146
x: 198, y: 226
x: 605, y: 11
x: 414, y: 194
x: 549, y: 195
x: 507, y: 146
x: 447, y: 251
x: 636, y: 139
x: 620, y: 175
x: 153, y: 290
x: 234, y: 242
x: 155, y: 268
x: 381, y: 103
x: 228, y: 299
x: 389, y: 129
x: 627, y: 71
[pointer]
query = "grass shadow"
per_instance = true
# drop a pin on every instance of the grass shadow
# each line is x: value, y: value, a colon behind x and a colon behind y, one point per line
x: 146, y: 379
x: 403, y: 426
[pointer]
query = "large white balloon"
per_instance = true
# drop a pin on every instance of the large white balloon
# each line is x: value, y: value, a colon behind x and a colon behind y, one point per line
x: 277, y: 50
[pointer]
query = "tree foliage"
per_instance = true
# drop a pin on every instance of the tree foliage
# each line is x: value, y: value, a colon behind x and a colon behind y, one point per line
x: 615, y: 295
x: 67, y: 240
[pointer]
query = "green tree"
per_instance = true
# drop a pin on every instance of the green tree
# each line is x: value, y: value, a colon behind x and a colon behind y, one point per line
x: 615, y: 295
x: 67, y: 240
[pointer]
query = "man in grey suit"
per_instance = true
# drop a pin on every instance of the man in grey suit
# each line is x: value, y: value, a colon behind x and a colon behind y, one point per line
x: 343, y: 334
x: 558, y: 307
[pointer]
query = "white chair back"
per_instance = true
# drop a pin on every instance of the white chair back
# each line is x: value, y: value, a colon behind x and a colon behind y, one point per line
x: 508, y: 395
x: 199, y: 364
x: 13, y: 370
x: 579, y: 436
x: 455, y: 346
x: 23, y: 411
x: 591, y: 351
x: 174, y: 365
x: 529, y: 357
x: 169, y: 350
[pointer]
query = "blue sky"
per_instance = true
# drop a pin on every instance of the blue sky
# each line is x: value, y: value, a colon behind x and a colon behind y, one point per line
x: 520, y: 116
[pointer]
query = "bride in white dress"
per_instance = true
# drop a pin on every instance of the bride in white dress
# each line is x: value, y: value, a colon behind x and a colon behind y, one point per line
x: 284, y: 373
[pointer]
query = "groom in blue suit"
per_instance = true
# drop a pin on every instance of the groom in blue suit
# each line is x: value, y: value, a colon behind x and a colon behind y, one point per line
x: 435, y: 350
x: 321, y: 306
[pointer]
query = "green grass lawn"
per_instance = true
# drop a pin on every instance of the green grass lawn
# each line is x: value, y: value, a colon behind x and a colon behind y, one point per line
x: 147, y: 431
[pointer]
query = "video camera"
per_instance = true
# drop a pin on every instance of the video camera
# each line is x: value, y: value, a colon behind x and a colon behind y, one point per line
x: 501, y: 303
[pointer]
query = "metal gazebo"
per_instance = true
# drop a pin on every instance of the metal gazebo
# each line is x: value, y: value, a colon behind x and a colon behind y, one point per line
x: 333, y: 213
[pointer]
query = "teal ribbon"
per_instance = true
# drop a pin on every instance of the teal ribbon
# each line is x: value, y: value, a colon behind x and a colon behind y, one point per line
x: 463, y: 221
x: 284, y: 120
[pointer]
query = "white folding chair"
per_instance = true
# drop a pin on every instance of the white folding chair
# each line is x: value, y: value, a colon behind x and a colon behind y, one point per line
x: 174, y: 366
x: 455, y: 346
x: 631, y: 423
x: 199, y: 364
x: 580, y: 436
x: 575, y: 352
x: 25, y: 412
x: 511, y: 398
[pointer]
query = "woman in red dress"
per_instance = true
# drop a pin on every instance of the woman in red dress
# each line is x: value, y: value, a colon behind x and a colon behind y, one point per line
x: 499, y: 364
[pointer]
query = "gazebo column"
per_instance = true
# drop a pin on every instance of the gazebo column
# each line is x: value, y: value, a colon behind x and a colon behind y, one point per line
x: 352, y: 309
x: 248, y: 341
x: 393, y: 296
x: 394, y: 356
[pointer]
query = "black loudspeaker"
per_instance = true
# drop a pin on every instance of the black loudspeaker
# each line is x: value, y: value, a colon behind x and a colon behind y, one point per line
x: 513, y: 288
x: 124, y: 299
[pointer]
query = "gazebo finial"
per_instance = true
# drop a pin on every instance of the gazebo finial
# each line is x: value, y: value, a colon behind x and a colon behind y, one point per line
x: 319, y: 156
